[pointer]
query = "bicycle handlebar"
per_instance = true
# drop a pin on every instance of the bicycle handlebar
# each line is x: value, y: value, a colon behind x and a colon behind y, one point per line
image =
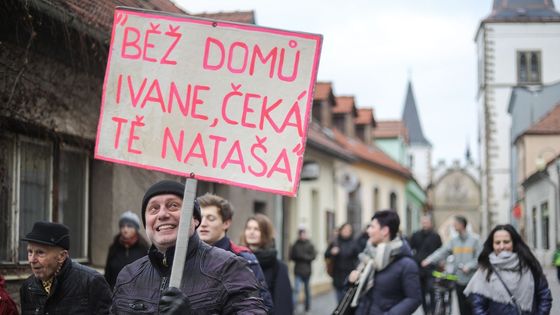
x: 445, y: 276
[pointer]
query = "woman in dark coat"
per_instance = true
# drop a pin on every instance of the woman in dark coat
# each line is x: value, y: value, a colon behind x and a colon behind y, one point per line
x: 127, y: 247
x: 259, y: 237
x: 505, y: 254
x: 344, y: 253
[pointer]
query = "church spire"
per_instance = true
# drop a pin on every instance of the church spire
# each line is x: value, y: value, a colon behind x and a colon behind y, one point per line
x: 411, y: 119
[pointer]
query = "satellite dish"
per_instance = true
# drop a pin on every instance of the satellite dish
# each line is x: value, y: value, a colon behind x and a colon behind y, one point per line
x: 349, y: 181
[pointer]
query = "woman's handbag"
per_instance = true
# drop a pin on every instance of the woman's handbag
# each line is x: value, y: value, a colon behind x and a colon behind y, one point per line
x: 517, y: 308
x: 344, y: 308
x: 329, y: 264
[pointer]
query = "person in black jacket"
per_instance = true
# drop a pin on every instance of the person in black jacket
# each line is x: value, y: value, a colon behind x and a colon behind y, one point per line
x: 214, y: 281
x: 344, y: 252
x: 58, y: 285
x: 302, y: 253
x: 217, y: 216
x: 423, y: 243
x: 127, y: 246
x: 259, y: 237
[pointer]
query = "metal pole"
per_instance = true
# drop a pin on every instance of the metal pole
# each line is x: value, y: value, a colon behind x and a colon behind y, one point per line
x: 182, y: 242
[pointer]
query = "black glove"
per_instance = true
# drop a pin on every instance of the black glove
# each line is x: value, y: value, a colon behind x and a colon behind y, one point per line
x: 173, y: 301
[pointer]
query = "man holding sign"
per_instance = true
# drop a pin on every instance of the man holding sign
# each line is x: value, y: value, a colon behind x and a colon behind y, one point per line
x: 214, y: 281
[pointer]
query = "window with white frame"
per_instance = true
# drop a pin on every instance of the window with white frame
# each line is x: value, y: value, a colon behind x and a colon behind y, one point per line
x: 41, y: 180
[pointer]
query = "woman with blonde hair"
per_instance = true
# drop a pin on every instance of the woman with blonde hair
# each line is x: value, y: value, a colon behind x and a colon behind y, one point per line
x: 259, y: 237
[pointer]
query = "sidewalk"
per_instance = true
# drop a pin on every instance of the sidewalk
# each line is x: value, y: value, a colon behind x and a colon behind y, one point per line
x: 324, y: 304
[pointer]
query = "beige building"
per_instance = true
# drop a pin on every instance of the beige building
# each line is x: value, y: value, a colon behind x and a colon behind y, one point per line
x: 456, y: 191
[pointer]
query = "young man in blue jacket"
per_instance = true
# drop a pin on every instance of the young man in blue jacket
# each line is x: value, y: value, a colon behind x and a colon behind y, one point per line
x: 217, y: 216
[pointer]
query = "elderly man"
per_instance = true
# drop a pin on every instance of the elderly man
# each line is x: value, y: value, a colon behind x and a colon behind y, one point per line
x: 58, y: 285
x: 214, y: 281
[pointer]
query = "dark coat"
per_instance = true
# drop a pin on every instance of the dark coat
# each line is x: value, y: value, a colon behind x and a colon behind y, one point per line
x: 120, y: 256
x: 214, y: 280
x: 423, y: 243
x: 396, y: 289
x: 277, y: 280
x: 542, y: 302
x: 76, y: 289
x: 244, y: 252
x: 302, y: 253
x: 345, y: 261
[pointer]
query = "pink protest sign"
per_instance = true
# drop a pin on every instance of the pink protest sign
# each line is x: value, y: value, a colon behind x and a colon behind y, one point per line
x: 228, y: 102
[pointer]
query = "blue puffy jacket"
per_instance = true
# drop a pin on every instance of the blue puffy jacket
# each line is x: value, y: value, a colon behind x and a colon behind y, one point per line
x: 542, y: 302
x: 396, y: 288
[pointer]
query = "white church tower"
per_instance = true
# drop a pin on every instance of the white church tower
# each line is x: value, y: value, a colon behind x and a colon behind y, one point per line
x: 518, y: 44
x: 420, y: 149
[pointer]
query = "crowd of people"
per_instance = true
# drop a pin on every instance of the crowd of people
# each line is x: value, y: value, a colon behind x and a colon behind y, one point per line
x: 379, y: 272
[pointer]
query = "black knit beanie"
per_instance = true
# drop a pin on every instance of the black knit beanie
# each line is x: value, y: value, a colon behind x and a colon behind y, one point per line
x: 167, y: 187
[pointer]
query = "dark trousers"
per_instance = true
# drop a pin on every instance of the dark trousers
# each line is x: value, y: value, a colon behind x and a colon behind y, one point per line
x: 297, y: 286
x: 464, y: 303
x: 339, y: 293
x: 558, y: 272
x: 427, y: 294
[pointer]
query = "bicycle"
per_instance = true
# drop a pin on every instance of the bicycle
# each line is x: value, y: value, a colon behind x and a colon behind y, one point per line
x: 442, y: 286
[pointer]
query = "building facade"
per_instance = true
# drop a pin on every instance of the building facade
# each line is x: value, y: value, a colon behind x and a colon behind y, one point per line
x: 517, y: 45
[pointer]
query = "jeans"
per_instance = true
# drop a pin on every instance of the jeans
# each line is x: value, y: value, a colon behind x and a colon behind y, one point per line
x: 297, y: 286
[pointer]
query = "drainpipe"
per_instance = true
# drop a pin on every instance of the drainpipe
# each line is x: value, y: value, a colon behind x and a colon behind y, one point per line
x: 279, y: 225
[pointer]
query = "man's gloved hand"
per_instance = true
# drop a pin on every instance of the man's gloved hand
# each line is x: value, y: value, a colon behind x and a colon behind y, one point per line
x: 174, y: 302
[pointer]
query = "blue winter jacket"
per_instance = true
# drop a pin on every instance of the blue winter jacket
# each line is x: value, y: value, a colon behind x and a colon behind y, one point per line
x: 542, y: 302
x: 396, y: 289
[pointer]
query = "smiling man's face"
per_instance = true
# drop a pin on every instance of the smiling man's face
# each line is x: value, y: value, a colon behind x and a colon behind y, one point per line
x: 163, y: 213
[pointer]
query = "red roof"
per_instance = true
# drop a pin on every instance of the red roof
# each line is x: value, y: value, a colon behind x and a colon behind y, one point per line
x: 317, y: 135
x: 391, y: 129
x: 371, y: 154
x: 99, y: 13
x: 549, y: 124
x: 323, y: 90
x: 247, y: 17
x: 365, y: 117
x: 344, y: 105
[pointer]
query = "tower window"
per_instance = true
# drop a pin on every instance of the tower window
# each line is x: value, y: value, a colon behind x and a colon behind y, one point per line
x: 528, y: 67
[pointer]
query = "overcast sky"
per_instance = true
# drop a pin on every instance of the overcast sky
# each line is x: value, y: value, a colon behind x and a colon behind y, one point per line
x: 372, y: 47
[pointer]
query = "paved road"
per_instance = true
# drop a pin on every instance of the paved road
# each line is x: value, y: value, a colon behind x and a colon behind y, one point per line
x: 324, y: 304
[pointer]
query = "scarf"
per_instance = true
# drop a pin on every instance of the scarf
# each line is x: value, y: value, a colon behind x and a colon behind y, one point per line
x: 374, y: 259
x: 128, y: 242
x: 521, y: 285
